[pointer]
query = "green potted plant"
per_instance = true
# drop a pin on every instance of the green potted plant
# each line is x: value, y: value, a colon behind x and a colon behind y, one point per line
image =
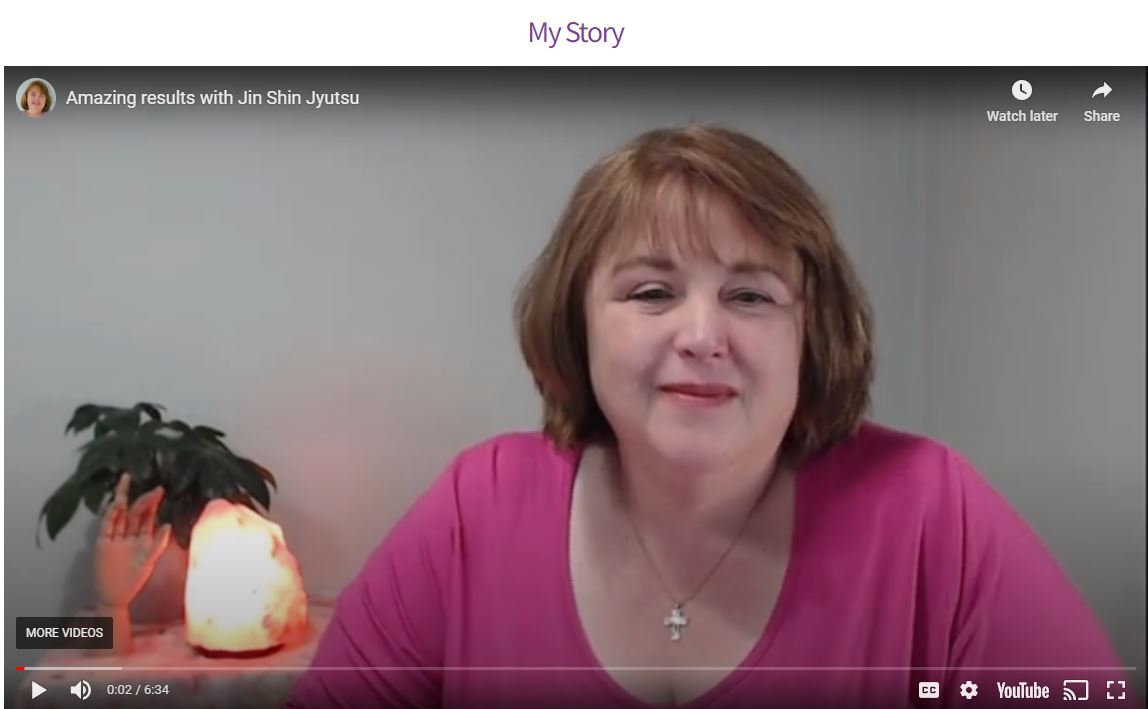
x: 192, y: 463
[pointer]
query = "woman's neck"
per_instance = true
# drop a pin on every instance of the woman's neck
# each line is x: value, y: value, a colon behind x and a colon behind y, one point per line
x: 677, y: 503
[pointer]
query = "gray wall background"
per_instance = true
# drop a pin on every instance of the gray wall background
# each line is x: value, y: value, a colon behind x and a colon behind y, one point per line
x: 1034, y: 346
x: 333, y: 287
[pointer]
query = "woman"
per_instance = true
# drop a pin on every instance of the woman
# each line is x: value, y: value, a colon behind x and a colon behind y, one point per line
x: 704, y: 506
x: 36, y: 99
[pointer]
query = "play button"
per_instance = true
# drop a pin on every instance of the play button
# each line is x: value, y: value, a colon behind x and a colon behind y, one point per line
x: 37, y: 690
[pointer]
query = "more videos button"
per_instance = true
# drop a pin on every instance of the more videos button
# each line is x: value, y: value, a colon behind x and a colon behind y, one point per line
x: 63, y: 633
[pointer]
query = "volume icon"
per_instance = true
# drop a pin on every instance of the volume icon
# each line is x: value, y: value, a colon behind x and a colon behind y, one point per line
x: 81, y: 689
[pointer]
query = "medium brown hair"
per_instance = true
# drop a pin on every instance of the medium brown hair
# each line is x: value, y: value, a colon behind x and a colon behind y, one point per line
x: 43, y: 89
x: 618, y: 193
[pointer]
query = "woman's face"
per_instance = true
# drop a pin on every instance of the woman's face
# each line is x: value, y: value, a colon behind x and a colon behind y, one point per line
x: 694, y: 359
x: 36, y: 100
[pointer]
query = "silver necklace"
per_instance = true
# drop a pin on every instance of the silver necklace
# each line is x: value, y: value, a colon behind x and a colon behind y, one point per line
x: 677, y: 619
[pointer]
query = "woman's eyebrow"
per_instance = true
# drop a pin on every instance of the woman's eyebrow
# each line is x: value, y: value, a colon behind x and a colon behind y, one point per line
x: 663, y: 263
x: 660, y: 263
x: 755, y: 267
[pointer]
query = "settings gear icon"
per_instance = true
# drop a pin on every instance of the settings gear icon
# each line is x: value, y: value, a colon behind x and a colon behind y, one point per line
x: 968, y: 690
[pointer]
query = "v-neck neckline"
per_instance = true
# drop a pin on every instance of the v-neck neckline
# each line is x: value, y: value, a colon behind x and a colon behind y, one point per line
x: 772, y: 628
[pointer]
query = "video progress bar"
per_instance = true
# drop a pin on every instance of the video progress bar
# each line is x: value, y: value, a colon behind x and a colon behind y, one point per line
x: 249, y: 668
x: 49, y: 668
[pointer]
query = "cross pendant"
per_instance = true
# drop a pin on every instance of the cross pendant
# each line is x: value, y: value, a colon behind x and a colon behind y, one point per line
x: 676, y: 622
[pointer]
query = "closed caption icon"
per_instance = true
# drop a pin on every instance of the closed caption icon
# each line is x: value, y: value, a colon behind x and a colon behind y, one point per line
x: 928, y: 690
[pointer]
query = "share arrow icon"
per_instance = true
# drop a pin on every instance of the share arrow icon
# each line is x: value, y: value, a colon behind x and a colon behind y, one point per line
x: 1102, y: 91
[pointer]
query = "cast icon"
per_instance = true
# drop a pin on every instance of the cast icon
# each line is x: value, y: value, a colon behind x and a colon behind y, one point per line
x: 1075, y: 690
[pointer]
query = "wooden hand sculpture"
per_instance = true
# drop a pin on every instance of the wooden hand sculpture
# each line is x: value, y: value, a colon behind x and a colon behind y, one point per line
x: 126, y: 553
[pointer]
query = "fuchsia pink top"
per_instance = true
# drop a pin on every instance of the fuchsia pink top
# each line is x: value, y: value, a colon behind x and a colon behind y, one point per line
x: 904, y: 561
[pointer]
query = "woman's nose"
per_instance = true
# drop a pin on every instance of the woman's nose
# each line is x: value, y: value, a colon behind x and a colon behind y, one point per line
x: 702, y: 330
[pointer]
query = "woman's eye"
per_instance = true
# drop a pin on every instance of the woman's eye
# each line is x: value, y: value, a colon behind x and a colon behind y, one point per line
x: 753, y: 298
x: 651, y: 295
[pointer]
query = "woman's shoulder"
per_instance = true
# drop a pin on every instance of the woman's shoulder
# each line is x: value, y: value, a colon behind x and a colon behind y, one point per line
x: 517, y: 446
x: 491, y: 486
x: 880, y: 446
x: 509, y: 467
x: 514, y: 455
x: 881, y: 464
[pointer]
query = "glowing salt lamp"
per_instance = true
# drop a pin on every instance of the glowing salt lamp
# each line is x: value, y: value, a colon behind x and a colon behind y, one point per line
x: 244, y: 593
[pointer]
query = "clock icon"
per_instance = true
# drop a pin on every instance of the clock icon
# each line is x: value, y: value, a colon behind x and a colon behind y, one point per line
x: 1022, y: 90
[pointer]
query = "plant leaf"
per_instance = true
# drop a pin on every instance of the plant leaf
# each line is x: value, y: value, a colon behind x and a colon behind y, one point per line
x: 59, y: 509
x: 98, y: 454
x: 152, y: 410
x: 181, y: 476
x: 247, y: 478
x: 166, y: 510
x: 261, y: 471
x: 190, y: 472
x: 212, y: 478
x: 179, y: 427
x: 208, y: 431
x: 137, y: 461
x: 96, y: 489
x: 123, y: 420
x: 83, y: 417
x: 185, y: 514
